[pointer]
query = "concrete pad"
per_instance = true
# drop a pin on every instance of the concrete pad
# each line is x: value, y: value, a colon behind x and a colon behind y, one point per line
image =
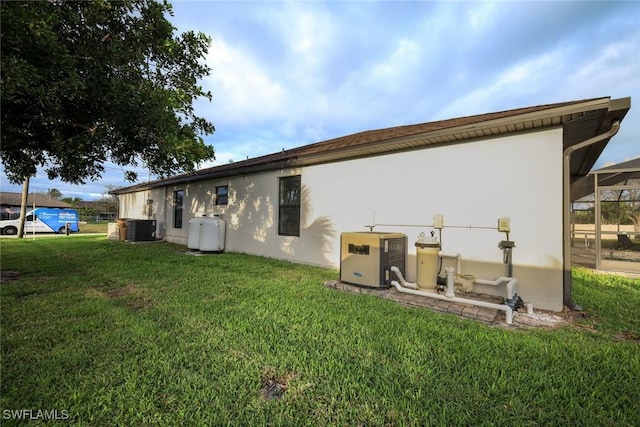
x: 456, y: 308
x: 486, y: 314
x: 470, y: 311
x: 463, y: 310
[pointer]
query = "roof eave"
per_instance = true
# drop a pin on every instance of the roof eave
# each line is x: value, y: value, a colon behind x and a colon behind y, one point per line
x: 526, y: 122
x: 574, y: 113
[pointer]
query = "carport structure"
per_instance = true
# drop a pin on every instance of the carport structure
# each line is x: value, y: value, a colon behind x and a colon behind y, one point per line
x: 613, y: 193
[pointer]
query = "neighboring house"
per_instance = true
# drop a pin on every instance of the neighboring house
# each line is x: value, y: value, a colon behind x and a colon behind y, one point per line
x: 473, y: 170
x: 10, y: 203
x: 99, y: 210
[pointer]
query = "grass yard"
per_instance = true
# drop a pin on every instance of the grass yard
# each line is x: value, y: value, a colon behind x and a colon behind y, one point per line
x: 94, y: 227
x: 110, y: 333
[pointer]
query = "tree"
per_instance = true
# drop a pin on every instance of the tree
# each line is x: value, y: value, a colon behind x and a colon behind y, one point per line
x: 54, y: 193
x: 108, y: 203
x: 633, y: 198
x: 73, y: 201
x: 87, y: 82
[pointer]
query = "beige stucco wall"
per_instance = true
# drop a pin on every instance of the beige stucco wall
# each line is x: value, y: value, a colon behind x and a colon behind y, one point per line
x: 131, y: 205
x: 471, y: 184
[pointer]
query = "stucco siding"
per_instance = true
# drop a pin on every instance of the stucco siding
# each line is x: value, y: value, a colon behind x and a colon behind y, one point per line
x: 131, y: 205
x: 471, y: 184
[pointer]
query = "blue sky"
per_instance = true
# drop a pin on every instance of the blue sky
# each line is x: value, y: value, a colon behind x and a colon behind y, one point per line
x: 285, y: 74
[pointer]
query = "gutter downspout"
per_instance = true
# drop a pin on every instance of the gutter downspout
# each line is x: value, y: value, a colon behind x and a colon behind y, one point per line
x: 566, y: 215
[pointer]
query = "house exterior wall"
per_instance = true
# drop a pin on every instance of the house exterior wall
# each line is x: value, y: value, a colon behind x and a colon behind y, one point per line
x: 470, y: 184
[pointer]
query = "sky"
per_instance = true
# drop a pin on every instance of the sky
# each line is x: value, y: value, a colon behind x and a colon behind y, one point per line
x: 286, y: 74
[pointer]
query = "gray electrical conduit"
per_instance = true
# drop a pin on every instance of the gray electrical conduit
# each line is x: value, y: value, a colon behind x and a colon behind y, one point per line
x: 407, y: 288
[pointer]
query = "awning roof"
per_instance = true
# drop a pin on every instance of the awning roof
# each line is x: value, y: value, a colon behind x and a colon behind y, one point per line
x: 580, y: 120
x: 610, y: 175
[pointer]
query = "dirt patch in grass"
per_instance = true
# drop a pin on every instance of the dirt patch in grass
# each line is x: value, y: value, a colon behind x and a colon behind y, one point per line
x: 131, y: 296
x: 121, y: 292
x: 8, y: 276
x: 274, y: 386
x: 628, y: 336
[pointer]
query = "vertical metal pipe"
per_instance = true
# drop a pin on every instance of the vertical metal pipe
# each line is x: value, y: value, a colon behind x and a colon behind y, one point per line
x: 597, y: 217
x: 566, y: 206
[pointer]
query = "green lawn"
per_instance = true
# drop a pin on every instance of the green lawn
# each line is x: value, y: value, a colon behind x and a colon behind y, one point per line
x: 94, y: 227
x: 111, y: 333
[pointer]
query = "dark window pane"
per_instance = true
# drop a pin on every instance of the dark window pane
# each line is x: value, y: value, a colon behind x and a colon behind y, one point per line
x: 289, y: 207
x: 222, y: 195
x: 178, y: 207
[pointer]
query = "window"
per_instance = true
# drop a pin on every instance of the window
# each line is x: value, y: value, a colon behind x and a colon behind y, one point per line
x: 222, y: 195
x: 289, y: 206
x: 178, y: 206
x: 9, y: 215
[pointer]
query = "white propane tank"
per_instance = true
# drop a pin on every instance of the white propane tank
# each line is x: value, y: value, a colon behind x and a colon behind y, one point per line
x: 212, y: 234
x: 427, y: 249
x: 193, y: 240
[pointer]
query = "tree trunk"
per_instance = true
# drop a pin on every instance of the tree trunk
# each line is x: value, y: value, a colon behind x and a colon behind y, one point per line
x: 23, y: 207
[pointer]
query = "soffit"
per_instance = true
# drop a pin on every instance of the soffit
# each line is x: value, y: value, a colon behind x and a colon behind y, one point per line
x: 590, y: 124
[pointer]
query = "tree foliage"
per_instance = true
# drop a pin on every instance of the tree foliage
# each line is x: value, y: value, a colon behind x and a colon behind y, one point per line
x: 86, y: 82
x: 54, y: 193
x: 619, y: 206
x: 73, y: 201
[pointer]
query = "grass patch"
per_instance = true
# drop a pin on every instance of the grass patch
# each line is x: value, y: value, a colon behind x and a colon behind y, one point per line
x: 122, y: 334
x: 93, y: 227
x: 610, y: 302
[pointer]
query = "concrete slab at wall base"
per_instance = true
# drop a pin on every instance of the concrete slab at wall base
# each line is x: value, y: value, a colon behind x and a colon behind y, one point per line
x: 482, y: 314
x: 490, y: 316
x: 198, y: 253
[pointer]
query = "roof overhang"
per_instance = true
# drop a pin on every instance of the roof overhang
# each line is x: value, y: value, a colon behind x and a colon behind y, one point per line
x: 587, y: 125
x: 579, y: 120
x: 607, y: 176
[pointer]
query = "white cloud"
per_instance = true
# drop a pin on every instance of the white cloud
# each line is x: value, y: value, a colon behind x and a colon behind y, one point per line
x: 518, y: 80
x: 401, y: 61
x: 479, y: 15
x: 243, y: 92
x: 308, y: 34
x: 616, y: 62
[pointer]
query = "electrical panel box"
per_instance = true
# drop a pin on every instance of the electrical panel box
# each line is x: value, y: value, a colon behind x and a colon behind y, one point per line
x: 504, y: 224
x: 366, y: 257
x: 438, y: 221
